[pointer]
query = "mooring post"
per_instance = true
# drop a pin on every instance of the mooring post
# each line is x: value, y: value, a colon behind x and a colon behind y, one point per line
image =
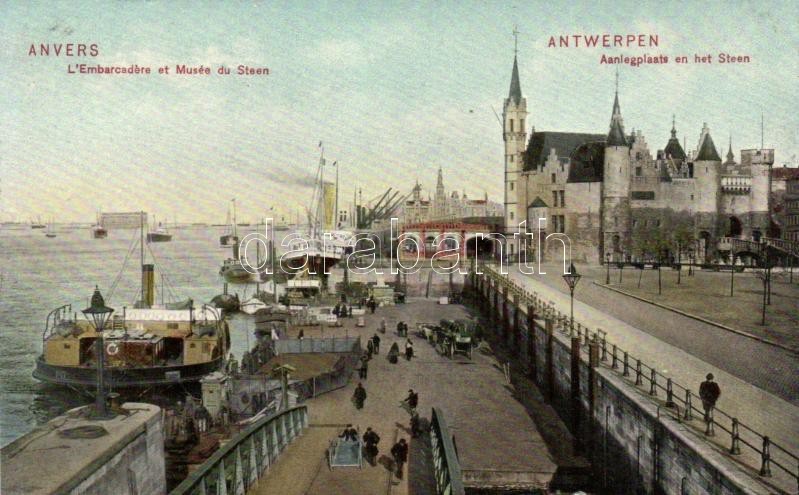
x: 516, y: 330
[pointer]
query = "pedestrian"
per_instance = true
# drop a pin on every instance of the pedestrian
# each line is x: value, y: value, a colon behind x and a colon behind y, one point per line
x: 415, y: 424
x: 349, y: 434
x: 393, y: 353
x: 709, y: 392
x: 337, y: 310
x: 376, y: 343
x: 370, y: 347
x: 359, y: 396
x: 363, y: 370
x: 202, y: 416
x: 399, y: 328
x: 349, y: 312
x: 408, y: 349
x: 400, y: 454
x: 301, y: 334
x: 370, y: 441
x: 411, y: 401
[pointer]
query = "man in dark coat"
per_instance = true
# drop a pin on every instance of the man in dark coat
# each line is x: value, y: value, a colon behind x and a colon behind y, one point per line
x: 370, y: 441
x: 393, y: 353
x: 412, y: 399
x: 359, y: 396
x: 709, y: 392
x: 400, y: 454
x: 376, y: 343
x: 349, y: 434
x: 364, y: 369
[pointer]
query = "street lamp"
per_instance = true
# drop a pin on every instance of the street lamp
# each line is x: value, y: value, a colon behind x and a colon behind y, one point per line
x: 607, y: 264
x: 691, y: 266
x: 97, y: 314
x: 571, y: 279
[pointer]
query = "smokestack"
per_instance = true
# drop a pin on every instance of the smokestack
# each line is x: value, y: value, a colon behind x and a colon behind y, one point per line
x: 148, y: 285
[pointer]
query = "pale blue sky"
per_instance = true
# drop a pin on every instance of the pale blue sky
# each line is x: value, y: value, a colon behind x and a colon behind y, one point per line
x: 394, y: 91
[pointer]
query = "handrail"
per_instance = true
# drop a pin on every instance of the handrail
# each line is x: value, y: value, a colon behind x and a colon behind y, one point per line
x: 244, y: 458
x: 644, y: 376
x: 447, y: 467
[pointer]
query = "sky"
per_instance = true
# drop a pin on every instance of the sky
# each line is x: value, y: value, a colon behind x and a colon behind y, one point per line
x: 394, y: 90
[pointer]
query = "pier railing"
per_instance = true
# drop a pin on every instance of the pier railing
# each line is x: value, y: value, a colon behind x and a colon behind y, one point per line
x: 655, y: 384
x: 447, y: 468
x: 246, y: 457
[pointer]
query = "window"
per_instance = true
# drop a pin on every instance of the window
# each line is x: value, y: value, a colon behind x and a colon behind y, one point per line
x: 554, y: 199
x: 553, y: 178
x: 511, y: 186
x: 67, y: 346
x: 511, y: 125
x: 635, y: 223
x: 692, y: 197
x: 521, y: 125
x: 511, y: 215
x: 206, y: 347
x: 638, y: 171
x: 562, y: 198
x: 511, y: 158
x: 638, y: 155
x: 657, y: 223
x: 172, y: 326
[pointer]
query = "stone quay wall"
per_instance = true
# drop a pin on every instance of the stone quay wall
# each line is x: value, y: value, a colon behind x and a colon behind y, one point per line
x: 634, y: 446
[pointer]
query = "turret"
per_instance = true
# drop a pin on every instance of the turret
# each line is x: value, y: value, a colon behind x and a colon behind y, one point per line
x: 707, y: 170
x: 616, y: 185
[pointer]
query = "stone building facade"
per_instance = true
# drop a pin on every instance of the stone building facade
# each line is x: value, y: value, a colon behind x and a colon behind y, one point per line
x: 443, y: 206
x: 608, y: 191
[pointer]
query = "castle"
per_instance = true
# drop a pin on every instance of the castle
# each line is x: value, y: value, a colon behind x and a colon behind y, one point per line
x: 612, y: 197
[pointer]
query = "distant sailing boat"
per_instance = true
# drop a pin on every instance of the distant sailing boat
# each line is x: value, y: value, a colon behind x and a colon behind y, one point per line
x: 50, y: 232
x: 98, y: 231
x: 38, y: 224
x: 159, y: 233
x: 231, y: 236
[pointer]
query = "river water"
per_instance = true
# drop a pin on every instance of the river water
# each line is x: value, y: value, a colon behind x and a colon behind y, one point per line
x: 38, y: 274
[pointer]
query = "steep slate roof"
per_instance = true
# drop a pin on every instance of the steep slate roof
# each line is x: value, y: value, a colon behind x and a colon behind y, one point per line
x: 564, y: 143
x: 515, y: 92
x: 673, y: 148
x: 707, y: 152
x: 587, y: 162
x: 616, y: 134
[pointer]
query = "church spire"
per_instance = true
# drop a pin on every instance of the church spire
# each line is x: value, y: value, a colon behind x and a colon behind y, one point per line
x: 730, y: 155
x: 515, y: 93
x: 673, y: 127
x: 673, y: 148
x: 616, y: 134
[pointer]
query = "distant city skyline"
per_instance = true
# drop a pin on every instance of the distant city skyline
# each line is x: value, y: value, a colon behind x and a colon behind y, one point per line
x: 393, y: 91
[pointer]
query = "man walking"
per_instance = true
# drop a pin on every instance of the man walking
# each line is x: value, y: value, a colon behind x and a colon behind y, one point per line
x: 370, y: 441
x: 400, y: 454
x: 410, y: 402
x: 408, y: 349
x: 709, y: 392
x: 359, y: 396
x: 364, y: 369
x: 376, y: 343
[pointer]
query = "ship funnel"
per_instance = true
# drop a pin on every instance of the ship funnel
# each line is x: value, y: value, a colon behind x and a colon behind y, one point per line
x: 147, y: 285
x: 236, y: 249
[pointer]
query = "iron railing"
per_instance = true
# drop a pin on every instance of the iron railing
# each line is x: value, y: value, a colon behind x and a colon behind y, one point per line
x: 237, y: 465
x: 657, y: 385
x: 447, y: 468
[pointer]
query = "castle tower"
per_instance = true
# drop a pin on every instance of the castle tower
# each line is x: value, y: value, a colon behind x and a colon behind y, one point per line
x: 707, y: 180
x: 616, y: 187
x: 441, y: 197
x: 514, y: 112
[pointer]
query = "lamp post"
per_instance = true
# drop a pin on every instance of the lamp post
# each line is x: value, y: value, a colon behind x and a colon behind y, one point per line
x: 691, y: 266
x: 732, y: 271
x: 97, y: 314
x: 571, y: 279
x: 607, y: 265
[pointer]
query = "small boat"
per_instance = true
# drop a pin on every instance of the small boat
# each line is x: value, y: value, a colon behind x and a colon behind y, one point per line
x: 49, y: 233
x: 98, y: 231
x: 230, y: 237
x: 234, y: 272
x: 159, y: 234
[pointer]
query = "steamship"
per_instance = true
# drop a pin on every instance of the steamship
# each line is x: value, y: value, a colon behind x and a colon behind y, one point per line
x: 143, y: 346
